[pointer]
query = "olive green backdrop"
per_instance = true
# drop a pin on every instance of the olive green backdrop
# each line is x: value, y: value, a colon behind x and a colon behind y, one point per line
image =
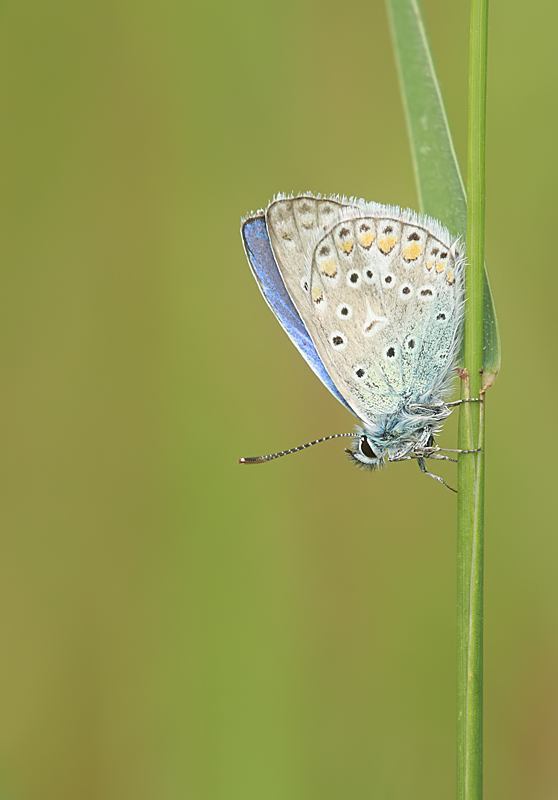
x: 173, y: 625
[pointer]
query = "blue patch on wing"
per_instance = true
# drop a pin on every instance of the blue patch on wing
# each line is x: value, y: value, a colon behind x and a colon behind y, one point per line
x: 265, y: 271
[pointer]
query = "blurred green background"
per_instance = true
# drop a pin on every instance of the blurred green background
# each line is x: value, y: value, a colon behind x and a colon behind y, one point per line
x: 173, y: 625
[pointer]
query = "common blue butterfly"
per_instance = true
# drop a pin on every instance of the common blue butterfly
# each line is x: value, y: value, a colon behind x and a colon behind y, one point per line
x: 373, y: 298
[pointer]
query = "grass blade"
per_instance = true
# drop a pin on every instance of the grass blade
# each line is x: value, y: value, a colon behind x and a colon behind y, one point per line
x: 440, y: 186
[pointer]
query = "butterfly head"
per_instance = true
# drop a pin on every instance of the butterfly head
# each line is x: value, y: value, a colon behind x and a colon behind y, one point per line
x: 371, y: 450
x: 367, y: 453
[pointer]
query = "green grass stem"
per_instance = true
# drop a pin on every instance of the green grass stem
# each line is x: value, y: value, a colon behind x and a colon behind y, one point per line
x: 470, y: 479
x: 442, y: 194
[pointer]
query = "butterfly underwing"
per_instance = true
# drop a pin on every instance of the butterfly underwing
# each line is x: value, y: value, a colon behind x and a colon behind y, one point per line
x: 373, y: 297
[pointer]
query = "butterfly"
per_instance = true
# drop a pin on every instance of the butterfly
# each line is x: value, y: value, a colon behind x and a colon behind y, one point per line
x: 373, y: 298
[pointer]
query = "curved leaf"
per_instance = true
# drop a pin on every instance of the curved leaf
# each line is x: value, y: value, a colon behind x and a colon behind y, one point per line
x: 440, y: 186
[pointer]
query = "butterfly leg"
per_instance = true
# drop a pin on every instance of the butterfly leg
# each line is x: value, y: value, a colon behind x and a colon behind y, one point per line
x: 464, y: 400
x: 442, y: 405
x: 441, y: 458
x: 422, y: 466
x: 450, y: 450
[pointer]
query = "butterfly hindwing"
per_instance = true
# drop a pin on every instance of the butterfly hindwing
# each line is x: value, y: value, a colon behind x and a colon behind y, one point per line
x: 380, y: 292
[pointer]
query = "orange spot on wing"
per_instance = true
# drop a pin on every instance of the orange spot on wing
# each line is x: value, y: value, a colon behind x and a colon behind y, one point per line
x: 412, y: 251
x: 386, y: 244
x: 329, y: 268
x: 365, y: 239
x: 440, y: 266
x: 317, y: 294
x: 346, y: 246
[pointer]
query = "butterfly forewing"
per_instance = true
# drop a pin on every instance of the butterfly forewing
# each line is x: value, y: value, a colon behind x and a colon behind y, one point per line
x: 295, y: 225
x: 380, y: 295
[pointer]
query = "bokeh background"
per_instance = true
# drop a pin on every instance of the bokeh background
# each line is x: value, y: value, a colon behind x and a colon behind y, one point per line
x: 173, y: 625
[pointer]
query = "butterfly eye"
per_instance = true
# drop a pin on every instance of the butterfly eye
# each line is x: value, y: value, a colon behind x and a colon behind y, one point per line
x: 365, y: 449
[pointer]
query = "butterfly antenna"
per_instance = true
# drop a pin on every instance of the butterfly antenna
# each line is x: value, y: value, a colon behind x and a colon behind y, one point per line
x: 263, y: 459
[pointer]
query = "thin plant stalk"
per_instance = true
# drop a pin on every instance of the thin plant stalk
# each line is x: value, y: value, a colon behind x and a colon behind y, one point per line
x: 470, y: 503
x: 442, y: 195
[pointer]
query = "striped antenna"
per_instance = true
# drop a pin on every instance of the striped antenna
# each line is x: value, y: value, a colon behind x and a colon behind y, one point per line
x: 263, y: 459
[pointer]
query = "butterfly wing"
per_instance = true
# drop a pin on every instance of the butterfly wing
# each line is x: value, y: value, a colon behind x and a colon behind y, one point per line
x: 380, y: 292
x: 264, y: 268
